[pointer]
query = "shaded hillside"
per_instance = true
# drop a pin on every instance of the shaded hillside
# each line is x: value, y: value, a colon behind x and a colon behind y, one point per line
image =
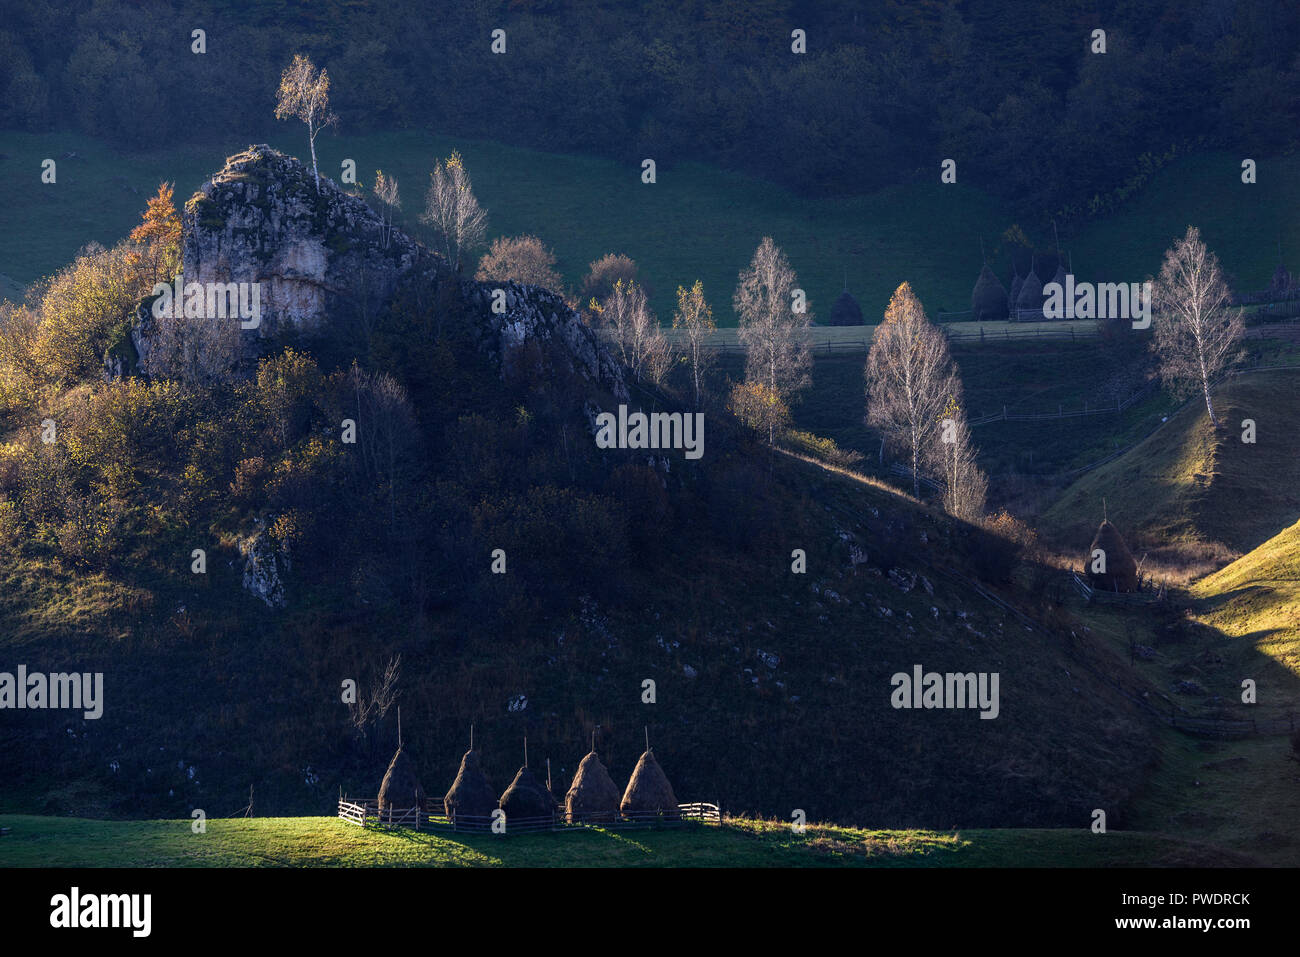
x: 326, y: 560
x: 1192, y: 498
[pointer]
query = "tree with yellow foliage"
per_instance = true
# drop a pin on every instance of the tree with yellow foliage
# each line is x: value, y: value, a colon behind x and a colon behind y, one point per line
x: 305, y: 94
x: 694, y: 317
x: 159, y: 236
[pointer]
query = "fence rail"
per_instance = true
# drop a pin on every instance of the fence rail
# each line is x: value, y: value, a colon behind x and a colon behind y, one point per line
x: 902, y: 471
x: 1147, y: 596
x: 1060, y: 413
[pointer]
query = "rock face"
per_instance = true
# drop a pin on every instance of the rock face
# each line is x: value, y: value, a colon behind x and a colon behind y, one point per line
x: 317, y: 255
x: 539, y: 315
x: 262, y: 563
x: 261, y: 219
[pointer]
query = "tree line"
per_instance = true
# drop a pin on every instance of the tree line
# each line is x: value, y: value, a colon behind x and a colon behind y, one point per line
x: 882, y: 93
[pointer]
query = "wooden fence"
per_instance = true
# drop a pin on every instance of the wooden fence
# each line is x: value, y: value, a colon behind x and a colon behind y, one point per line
x: 1143, y: 596
x: 1060, y: 413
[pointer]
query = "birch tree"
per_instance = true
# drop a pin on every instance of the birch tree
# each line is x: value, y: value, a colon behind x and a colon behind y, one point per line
x: 774, y: 335
x: 305, y: 93
x: 694, y: 317
x: 954, y: 458
x: 632, y: 326
x: 389, y: 203
x: 1197, y: 335
x: 452, y: 210
x: 910, y: 376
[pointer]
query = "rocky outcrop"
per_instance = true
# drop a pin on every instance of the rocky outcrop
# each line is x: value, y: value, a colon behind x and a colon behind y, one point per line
x: 262, y: 565
x: 262, y: 219
x: 532, y: 313
x: 321, y: 254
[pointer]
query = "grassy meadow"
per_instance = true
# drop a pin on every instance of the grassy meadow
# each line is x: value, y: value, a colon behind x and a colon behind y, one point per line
x: 694, y: 222
x: 741, y: 842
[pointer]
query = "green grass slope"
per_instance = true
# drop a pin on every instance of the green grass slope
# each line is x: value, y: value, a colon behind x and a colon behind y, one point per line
x: 329, y: 842
x: 1189, y: 497
x: 694, y: 222
x: 1256, y: 600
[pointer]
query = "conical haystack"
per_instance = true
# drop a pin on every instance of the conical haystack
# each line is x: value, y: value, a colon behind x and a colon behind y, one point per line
x: 846, y: 311
x: 527, y: 798
x: 1031, y: 294
x: 593, y: 796
x: 1059, y: 278
x: 470, y: 795
x: 1121, y: 569
x: 988, y: 301
x: 401, y: 788
x: 648, y: 792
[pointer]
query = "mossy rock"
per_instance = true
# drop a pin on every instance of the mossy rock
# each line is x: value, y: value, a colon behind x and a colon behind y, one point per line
x: 120, y: 344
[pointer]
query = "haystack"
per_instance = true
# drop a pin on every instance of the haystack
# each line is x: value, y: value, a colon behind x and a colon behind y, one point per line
x: 1031, y: 293
x: 527, y: 798
x: 400, y: 789
x: 593, y: 796
x: 1059, y: 279
x: 846, y: 311
x: 1121, y: 569
x: 1013, y: 297
x: 471, y: 795
x: 648, y: 792
x: 988, y: 300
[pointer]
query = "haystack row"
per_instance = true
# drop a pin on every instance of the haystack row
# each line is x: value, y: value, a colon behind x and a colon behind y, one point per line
x: 592, y: 799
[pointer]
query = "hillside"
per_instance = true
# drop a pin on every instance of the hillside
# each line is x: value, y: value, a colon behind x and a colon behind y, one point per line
x: 695, y: 222
x: 1255, y: 602
x: 1193, y: 500
x: 326, y: 561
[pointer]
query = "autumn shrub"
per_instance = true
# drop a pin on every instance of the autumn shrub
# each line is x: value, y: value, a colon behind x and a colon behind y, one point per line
x: 521, y: 259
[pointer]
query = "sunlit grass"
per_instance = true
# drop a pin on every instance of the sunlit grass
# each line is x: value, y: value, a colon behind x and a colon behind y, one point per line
x: 329, y: 842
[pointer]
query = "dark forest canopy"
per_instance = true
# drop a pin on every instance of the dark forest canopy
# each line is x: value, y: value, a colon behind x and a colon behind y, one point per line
x: 885, y: 91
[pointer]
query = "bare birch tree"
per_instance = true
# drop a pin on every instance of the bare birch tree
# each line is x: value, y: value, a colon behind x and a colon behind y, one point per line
x: 775, y: 337
x: 954, y: 458
x: 1197, y: 335
x: 694, y: 317
x: 305, y: 93
x: 632, y: 326
x: 452, y: 210
x: 389, y: 204
x: 910, y: 376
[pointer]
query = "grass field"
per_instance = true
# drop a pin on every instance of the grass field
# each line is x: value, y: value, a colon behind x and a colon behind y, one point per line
x: 324, y: 841
x: 694, y: 222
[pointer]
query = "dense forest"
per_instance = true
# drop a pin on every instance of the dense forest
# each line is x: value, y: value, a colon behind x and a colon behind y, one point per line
x: 882, y: 94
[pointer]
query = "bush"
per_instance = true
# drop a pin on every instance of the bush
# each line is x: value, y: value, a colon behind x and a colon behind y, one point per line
x: 522, y: 259
x: 82, y: 305
x: 604, y: 272
x: 822, y: 448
